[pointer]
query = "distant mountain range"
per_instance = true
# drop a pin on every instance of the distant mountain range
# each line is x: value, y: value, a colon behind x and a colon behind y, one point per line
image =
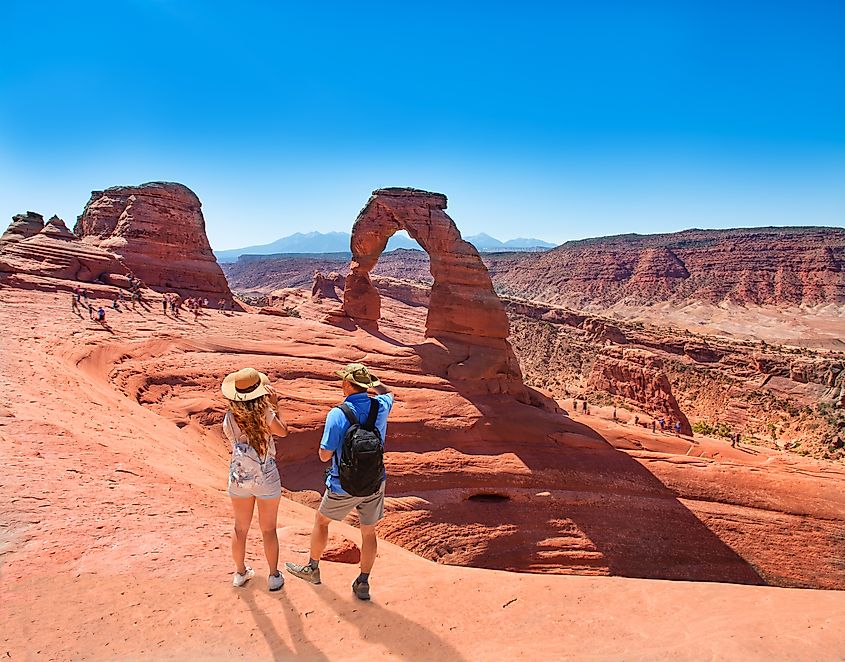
x: 338, y: 242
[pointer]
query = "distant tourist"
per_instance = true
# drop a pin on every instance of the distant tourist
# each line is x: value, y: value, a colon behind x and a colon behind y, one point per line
x: 575, y: 406
x: 101, y: 315
x: 653, y: 426
x: 662, y: 425
x: 636, y: 420
x: 614, y: 413
x: 678, y: 428
x: 584, y: 406
x: 85, y: 295
x: 353, y: 439
x: 90, y: 310
x: 114, y: 303
x: 165, y: 303
x: 249, y: 425
x: 74, y: 304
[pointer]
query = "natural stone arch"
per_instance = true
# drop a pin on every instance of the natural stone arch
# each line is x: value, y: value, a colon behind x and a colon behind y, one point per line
x: 464, y: 312
x: 462, y: 297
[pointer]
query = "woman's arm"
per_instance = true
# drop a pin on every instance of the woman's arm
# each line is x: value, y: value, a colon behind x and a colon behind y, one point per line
x: 278, y: 426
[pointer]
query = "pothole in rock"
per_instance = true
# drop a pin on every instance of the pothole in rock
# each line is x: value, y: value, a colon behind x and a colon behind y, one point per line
x: 487, y: 497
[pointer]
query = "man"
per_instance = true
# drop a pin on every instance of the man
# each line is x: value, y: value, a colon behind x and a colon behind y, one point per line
x: 336, y: 503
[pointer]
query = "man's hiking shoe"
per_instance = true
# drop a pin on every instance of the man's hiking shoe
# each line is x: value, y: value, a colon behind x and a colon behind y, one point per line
x: 305, y: 572
x: 361, y: 590
x: 239, y: 579
x: 275, y: 582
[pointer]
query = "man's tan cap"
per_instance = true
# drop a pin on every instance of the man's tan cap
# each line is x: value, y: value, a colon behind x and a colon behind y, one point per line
x: 358, y: 374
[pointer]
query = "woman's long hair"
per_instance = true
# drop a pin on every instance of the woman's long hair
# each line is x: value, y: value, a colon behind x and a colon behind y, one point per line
x: 251, y: 417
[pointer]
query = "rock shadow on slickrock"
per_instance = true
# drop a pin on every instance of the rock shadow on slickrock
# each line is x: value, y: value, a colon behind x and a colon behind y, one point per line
x: 627, y: 521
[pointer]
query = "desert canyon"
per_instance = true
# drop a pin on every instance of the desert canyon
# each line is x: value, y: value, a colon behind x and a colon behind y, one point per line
x: 517, y: 524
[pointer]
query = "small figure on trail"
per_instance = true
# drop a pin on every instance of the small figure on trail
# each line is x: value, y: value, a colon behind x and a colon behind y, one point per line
x: 101, y: 315
x: 220, y: 305
x: 614, y: 413
x: 584, y: 406
x: 353, y: 439
x: 90, y: 310
x: 251, y: 421
x: 114, y: 303
x: 678, y: 428
x: 653, y: 424
x: 165, y: 303
x: 636, y: 420
x: 575, y: 406
x: 662, y: 425
x: 74, y: 304
x: 85, y: 295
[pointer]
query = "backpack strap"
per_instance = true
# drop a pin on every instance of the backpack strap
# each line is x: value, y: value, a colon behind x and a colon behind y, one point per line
x: 350, y: 415
x: 370, y: 424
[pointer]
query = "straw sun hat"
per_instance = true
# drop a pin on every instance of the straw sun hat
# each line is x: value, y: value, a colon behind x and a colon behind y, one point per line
x: 245, y: 384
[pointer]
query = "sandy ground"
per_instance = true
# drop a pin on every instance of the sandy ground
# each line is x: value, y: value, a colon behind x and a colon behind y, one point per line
x: 114, y: 537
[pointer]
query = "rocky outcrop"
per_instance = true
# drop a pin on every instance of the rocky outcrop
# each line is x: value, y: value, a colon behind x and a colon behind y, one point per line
x: 638, y: 376
x: 158, y: 231
x: 23, y: 226
x: 326, y: 286
x: 57, y: 229
x: 465, y: 315
x: 55, y: 252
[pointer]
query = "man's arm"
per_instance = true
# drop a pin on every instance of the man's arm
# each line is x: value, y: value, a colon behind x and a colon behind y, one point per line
x: 331, y: 434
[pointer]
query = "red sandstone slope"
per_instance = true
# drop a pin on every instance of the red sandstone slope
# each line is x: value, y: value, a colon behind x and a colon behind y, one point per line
x: 128, y: 511
x: 754, y: 266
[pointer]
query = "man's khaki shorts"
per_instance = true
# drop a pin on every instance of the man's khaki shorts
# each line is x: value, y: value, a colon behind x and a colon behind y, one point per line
x: 370, y: 508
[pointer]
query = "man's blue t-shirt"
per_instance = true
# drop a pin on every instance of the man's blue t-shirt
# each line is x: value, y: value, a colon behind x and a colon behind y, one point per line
x: 337, y: 425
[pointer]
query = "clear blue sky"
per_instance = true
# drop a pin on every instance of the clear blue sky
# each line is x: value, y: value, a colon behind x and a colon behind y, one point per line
x: 555, y: 120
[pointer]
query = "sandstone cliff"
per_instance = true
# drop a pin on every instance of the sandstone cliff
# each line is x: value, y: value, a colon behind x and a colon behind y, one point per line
x: 754, y: 266
x: 157, y: 230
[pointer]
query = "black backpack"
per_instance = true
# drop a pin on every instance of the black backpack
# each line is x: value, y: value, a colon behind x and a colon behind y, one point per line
x: 361, y: 461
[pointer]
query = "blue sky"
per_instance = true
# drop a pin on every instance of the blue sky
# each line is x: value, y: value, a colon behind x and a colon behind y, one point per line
x: 554, y: 120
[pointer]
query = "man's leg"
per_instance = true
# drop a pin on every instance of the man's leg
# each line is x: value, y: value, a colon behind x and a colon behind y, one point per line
x: 369, y: 547
x: 319, y: 536
x: 310, y: 572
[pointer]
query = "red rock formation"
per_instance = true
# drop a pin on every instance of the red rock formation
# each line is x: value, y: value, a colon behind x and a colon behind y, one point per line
x: 325, y: 287
x: 754, y: 266
x: 638, y: 376
x: 464, y: 315
x: 57, y: 229
x: 158, y: 231
x: 54, y: 251
x: 23, y: 226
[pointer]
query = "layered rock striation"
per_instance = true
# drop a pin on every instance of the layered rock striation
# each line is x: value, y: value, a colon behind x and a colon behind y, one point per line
x: 158, y: 230
x: 753, y: 266
x: 34, y: 248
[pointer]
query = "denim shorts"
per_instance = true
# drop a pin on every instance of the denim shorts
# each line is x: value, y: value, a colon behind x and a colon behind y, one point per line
x: 270, y: 487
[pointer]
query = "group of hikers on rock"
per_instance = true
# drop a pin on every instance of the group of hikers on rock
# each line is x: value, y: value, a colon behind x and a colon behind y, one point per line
x: 80, y: 301
x: 353, y: 442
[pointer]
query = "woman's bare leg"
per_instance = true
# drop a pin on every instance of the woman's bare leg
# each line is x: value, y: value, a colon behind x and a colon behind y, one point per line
x: 243, y: 508
x: 268, y: 510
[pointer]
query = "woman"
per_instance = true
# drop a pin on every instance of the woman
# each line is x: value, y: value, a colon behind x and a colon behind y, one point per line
x: 252, y: 420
